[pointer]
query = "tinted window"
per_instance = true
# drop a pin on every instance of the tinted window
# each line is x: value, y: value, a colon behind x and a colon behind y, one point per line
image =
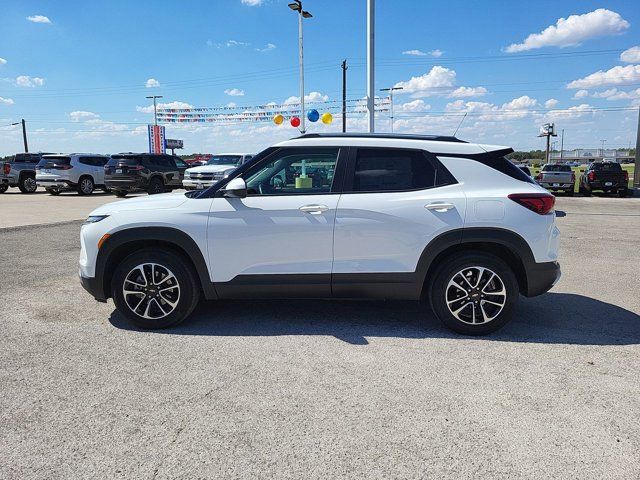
x: 502, y: 165
x: 86, y: 161
x: 294, y: 173
x: 607, y: 167
x: 26, y: 158
x: 556, y: 168
x: 124, y: 160
x: 180, y: 163
x: 50, y: 162
x: 379, y: 170
x: 225, y: 160
x: 525, y: 170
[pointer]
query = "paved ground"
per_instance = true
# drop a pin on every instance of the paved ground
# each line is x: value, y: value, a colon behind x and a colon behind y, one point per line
x: 323, y: 389
x: 40, y: 208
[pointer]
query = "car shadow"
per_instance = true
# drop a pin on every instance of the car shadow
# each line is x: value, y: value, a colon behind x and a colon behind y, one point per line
x: 554, y: 318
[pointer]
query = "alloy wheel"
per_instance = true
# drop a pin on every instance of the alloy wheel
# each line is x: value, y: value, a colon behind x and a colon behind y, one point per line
x: 86, y: 185
x: 30, y: 184
x: 476, y: 295
x: 151, y: 291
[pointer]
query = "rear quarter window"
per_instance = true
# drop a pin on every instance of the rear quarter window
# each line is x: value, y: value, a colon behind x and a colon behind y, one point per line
x: 503, y: 165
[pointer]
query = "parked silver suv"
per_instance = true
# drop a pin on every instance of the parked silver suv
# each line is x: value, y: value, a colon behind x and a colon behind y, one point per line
x: 75, y: 171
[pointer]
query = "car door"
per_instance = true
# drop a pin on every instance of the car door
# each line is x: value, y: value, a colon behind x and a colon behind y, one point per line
x: 278, y: 241
x: 394, y: 202
x: 181, y: 166
x: 98, y: 167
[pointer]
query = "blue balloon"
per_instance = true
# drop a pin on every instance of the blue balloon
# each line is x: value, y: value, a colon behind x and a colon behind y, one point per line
x: 313, y: 115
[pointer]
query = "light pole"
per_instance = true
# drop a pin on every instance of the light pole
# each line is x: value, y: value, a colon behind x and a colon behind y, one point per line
x: 371, y: 43
x: 24, y: 134
x: 296, y: 6
x: 155, y: 109
x: 390, y: 90
x: 602, y: 148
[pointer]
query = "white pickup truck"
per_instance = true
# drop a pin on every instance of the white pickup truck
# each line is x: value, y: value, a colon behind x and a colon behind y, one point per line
x: 217, y: 167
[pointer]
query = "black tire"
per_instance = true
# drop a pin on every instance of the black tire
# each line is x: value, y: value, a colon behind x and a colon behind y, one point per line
x: 570, y: 193
x: 185, y: 278
x: 53, y: 191
x: 449, y: 269
x: 156, y: 185
x: 27, y: 184
x: 106, y: 189
x: 3, y: 187
x: 623, y: 193
x: 120, y: 193
x: 86, y: 186
x: 584, y: 191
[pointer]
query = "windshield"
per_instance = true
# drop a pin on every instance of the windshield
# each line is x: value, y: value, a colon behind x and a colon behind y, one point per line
x: 225, y: 160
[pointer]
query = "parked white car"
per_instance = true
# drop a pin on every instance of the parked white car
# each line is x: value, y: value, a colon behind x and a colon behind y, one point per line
x: 335, y: 216
x: 82, y: 172
x: 217, y: 168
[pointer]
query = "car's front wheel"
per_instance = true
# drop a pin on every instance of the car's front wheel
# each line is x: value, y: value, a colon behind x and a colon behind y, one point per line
x: 155, y: 289
x: 27, y: 184
x: 474, y: 293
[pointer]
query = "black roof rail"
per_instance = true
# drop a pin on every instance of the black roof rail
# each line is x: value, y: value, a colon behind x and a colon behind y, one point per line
x: 400, y: 136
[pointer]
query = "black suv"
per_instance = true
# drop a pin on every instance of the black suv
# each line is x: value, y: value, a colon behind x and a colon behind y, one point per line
x: 153, y: 173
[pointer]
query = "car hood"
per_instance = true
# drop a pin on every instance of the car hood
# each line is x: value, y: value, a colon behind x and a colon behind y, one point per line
x: 210, y: 168
x: 150, y: 202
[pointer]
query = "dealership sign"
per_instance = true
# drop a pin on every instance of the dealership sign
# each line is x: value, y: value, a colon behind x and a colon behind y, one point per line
x: 156, y: 139
x: 172, y: 143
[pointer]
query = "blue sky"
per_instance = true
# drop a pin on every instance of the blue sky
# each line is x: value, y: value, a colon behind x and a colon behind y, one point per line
x: 78, y: 71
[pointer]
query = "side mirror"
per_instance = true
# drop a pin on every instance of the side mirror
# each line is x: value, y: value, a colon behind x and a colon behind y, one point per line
x: 236, y: 188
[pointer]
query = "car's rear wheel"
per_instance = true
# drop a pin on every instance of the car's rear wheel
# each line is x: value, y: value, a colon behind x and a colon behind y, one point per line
x: 86, y: 186
x: 52, y: 191
x: 27, y: 184
x: 120, y: 193
x: 474, y: 293
x: 623, y: 193
x: 570, y: 193
x: 155, y: 289
x: 156, y: 185
x: 3, y: 187
x: 584, y: 191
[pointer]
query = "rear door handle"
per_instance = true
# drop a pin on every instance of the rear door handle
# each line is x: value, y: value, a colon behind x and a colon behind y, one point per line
x: 439, y: 206
x: 314, y: 209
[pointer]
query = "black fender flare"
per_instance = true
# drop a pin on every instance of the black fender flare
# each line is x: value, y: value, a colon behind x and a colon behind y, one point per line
x: 180, y: 240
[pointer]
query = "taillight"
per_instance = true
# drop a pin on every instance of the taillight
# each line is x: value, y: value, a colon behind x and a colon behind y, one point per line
x: 591, y: 176
x: 539, y: 176
x: 136, y: 168
x: 6, y: 168
x: 626, y: 176
x: 541, y: 203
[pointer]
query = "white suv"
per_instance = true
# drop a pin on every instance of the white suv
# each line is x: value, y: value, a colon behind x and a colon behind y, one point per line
x: 335, y: 216
x: 82, y: 172
x: 217, y: 167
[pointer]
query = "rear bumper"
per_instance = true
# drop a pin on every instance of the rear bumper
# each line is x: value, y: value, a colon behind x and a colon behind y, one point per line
x: 541, y: 277
x: 128, y: 184
x: 556, y: 186
x: 54, y: 182
x: 598, y: 185
x: 91, y: 285
x: 12, y: 180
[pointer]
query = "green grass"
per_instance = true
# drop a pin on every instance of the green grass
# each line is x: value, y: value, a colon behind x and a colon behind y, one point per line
x: 628, y: 167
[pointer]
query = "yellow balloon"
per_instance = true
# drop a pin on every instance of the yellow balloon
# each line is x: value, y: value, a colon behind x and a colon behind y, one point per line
x: 326, y: 118
x: 278, y: 119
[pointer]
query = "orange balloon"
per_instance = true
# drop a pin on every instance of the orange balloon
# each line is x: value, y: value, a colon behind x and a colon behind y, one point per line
x: 278, y: 119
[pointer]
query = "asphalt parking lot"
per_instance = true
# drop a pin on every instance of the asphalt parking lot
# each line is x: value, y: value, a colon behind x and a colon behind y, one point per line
x: 317, y: 389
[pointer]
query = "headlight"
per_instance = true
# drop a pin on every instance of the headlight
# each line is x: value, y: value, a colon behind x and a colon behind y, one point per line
x: 94, y: 219
x: 187, y: 174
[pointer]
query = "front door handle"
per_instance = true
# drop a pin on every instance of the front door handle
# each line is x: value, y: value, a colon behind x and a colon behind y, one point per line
x: 439, y: 206
x: 314, y: 209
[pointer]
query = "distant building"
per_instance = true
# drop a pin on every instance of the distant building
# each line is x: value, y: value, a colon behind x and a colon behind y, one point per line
x: 588, y: 155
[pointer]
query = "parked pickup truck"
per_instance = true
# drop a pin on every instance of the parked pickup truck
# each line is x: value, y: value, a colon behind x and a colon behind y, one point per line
x: 606, y: 176
x: 557, y: 177
x: 20, y: 172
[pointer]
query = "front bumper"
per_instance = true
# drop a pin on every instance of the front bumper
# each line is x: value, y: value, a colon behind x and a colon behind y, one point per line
x: 541, y: 277
x: 91, y: 285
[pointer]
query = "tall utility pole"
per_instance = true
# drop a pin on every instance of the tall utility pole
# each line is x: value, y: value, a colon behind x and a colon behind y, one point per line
x: 636, y: 171
x: 602, y: 147
x: 371, y: 64
x: 297, y: 7
x: 344, y: 96
x: 562, y: 146
x: 155, y: 108
x: 24, y: 134
x: 548, y: 130
x: 390, y: 90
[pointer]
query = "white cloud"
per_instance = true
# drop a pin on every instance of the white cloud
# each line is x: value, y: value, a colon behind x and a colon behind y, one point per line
x: 429, y: 83
x: 580, y: 94
x: 417, y: 105
x: 309, y: 98
x: 631, y: 55
x: 252, y: 3
x: 552, y: 102
x: 234, y: 92
x: 2, y: 61
x: 149, y: 109
x: 6, y: 101
x: 27, y: 81
x: 615, y: 94
x: 152, y: 83
x: 419, y: 53
x: 614, y: 76
x: 578, y: 111
x: 81, y: 115
x: 268, y: 47
x: 236, y: 43
x: 462, y: 92
x: 39, y: 19
x: 514, y: 109
x: 573, y: 30
x: 231, y: 105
